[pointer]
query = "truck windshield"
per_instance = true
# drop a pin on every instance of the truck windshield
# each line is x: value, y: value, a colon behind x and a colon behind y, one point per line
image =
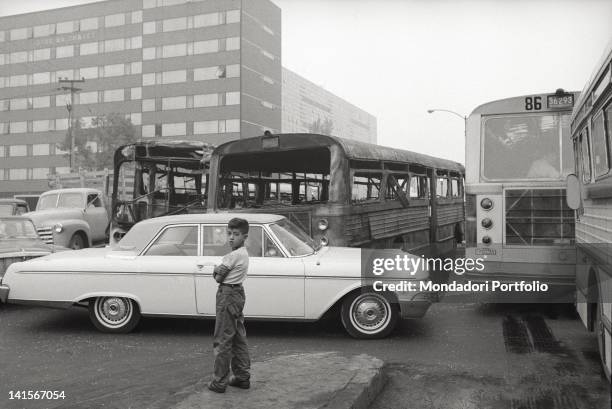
x: 47, y: 202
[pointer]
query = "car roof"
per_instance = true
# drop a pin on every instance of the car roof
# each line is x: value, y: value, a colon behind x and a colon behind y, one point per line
x: 259, y: 218
x: 13, y: 201
x: 72, y: 189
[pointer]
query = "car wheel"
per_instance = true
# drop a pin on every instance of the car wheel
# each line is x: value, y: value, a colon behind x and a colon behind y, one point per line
x: 368, y: 315
x: 114, y: 314
x: 76, y: 242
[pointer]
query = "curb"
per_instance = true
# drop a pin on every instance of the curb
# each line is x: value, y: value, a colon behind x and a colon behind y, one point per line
x: 357, y: 395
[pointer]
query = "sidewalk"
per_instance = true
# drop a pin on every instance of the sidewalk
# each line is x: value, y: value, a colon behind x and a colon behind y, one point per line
x: 318, y: 380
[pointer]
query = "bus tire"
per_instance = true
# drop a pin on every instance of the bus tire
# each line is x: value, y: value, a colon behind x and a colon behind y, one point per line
x: 600, y: 332
x: 368, y: 315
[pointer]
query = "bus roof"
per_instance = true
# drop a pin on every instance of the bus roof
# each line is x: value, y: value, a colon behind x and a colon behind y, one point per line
x: 601, y: 66
x: 187, y: 152
x: 352, y: 149
x: 513, y: 105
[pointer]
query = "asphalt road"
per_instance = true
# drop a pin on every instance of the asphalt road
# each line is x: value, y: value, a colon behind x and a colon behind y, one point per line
x: 458, y: 356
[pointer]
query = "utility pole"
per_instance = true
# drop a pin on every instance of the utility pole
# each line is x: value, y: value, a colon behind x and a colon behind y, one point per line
x: 72, y: 90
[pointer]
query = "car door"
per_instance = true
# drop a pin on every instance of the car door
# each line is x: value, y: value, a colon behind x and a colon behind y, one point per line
x: 96, y: 216
x: 166, y: 270
x: 213, y: 239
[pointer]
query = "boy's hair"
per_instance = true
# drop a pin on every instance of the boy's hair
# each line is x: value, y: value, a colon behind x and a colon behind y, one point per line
x: 240, y: 224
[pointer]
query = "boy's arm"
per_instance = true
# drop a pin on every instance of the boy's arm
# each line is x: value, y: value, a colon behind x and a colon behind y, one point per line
x: 220, y: 272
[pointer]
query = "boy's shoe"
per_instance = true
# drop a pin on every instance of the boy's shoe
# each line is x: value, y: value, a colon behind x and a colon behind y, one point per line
x: 215, y: 388
x: 233, y: 381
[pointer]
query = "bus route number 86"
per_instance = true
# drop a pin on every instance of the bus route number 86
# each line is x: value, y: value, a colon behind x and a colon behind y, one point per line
x: 533, y: 103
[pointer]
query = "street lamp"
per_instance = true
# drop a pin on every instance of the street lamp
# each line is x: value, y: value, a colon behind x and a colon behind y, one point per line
x: 431, y: 111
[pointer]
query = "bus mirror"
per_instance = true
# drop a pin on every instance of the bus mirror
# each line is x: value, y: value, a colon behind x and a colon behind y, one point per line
x: 573, y: 192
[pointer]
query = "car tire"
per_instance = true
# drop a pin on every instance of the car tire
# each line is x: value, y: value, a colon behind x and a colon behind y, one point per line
x: 76, y: 242
x: 368, y: 314
x: 114, y: 314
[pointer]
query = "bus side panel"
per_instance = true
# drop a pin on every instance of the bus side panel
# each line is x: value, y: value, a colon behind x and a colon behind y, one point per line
x: 450, y: 218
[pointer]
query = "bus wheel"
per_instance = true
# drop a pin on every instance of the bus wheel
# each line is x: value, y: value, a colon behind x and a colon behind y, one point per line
x: 114, y: 314
x: 601, y: 333
x: 368, y: 315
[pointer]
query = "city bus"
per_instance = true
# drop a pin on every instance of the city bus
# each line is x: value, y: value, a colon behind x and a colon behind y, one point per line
x: 343, y: 192
x: 590, y: 194
x: 157, y: 178
x: 518, y: 153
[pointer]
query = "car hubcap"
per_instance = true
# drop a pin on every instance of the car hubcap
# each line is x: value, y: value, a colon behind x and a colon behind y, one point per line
x: 370, y: 313
x: 114, y: 311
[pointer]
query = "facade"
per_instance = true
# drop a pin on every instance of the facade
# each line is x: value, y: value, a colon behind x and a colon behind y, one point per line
x: 310, y: 108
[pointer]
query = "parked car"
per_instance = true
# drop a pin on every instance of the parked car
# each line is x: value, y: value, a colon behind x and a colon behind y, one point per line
x: 163, y: 267
x: 13, y: 207
x: 19, y: 242
x: 74, y: 218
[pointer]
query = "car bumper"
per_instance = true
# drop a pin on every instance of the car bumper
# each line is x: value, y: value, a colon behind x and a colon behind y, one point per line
x: 4, y: 292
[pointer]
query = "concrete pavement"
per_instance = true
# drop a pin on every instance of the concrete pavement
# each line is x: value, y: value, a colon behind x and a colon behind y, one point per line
x: 311, y: 380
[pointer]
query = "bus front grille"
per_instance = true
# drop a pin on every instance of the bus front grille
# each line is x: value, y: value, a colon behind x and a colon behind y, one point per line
x: 538, y: 217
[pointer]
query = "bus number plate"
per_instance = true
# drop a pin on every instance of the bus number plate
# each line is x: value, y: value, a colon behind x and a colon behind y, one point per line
x: 560, y: 101
x: 485, y: 251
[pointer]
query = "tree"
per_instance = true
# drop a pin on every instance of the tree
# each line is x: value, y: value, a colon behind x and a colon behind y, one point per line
x: 324, y: 127
x: 94, y: 146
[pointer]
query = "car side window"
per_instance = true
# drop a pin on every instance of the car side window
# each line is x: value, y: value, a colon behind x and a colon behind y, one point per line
x: 93, y: 200
x: 175, y: 241
x: 21, y: 209
x: 253, y: 242
x: 270, y: 249
x: 214, y: 241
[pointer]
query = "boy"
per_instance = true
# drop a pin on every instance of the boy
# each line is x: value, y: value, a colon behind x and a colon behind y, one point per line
x: 230, y: 343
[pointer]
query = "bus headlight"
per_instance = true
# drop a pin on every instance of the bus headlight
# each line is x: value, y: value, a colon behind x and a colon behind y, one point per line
x: 324, y: 241
x: 487, y: 223
x: 486, y: 203
x: 486, y: 240
x: 323, y: 224
x: 58, y: 228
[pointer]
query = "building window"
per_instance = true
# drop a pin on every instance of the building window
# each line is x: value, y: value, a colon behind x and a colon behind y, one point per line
x: 135, y: 68
x: 174, y: 50
x: 67, y: 74
x: 61, y: 124
x: 2, y: 153
x: 232, y: 98
x: 232, y: 16
x: 113, y: 70
x: 17, y: 104
x: 203, y: 47
x: 114, y: 20
x: 232, y: 71
x: 88, y: 72
x: 18, y: 150
x: 18, y: 174
x: 175, y: 129
x: 65, y: 27
x: 113, y: 95
x: 205, y: 100
x: 136, y: 118
x: 148, y: 27
x: 19, y: 34
x: 18, y: 57
x: 205, y: 20
x: 148, y: 53
x: 136, y: 42
x: 18, y: 127
x: 43, y: 125
x: 209, y: 73
x: 44, y: 30
x: 114, y: 45
x: 64, y: 52
x: 41, y: 54
x: 232, y: 43
x: 89, y: 24
x: 232, y: 125
x: 4, y: 106
x: 169, y: 103
x: 40, y: 173
x: 136, y: 93
x: 88, y: 97
x: 89, y: 48
x: 205, y: 127
x: 41, y: 102
x: 174, y: 24
x: 148, y: 79
x: 41, y: 78
x: 148, y: 105
x: 137, y: 16
x: 148, y: 131
x: 171, y: 77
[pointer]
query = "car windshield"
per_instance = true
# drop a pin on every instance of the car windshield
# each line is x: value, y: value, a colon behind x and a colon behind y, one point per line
x: 17, y: 229
x: 295, y: 240
x: 6, y: 210
x: 47, y: 202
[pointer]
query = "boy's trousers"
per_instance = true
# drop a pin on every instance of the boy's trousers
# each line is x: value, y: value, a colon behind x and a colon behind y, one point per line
x: 230, y: 343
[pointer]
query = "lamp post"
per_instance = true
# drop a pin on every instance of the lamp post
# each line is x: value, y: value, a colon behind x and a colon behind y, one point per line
x: 431, y: 111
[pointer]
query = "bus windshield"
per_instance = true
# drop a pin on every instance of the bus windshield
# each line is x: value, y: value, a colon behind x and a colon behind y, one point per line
x: 523, y: 147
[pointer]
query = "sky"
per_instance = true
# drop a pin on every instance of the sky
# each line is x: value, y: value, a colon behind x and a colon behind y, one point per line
x: 398, y: 58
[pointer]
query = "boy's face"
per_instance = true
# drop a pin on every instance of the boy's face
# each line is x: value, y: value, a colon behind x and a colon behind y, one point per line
x: 236, y: 238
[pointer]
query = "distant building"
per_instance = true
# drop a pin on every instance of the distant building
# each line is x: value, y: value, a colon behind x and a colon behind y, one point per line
x: 179, y: 69
x: 310, y: 108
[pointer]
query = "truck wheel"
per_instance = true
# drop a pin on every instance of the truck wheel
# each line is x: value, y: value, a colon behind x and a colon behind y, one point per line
x: 76, y: 242
x: 114, y: 314
x: 368, y: 315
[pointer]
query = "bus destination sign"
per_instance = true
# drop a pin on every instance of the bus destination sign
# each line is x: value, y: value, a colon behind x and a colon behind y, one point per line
x: 560, y: 101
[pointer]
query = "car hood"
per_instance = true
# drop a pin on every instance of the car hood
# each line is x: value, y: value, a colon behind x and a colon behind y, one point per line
x: 351, y: 262
x: 10, y: 246
x: 51, y: 216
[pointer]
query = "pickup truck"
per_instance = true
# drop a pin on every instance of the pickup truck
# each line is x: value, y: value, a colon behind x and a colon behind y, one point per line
x: 73, y: 218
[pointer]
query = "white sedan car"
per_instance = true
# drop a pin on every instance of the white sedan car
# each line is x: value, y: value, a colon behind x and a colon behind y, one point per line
x: 163, y: 267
